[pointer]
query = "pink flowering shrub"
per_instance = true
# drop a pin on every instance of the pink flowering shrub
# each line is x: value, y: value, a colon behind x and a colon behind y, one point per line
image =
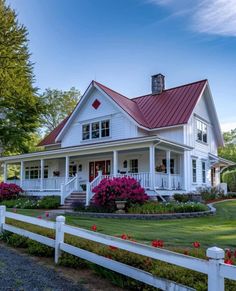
x: 125, y: 188
x: 9, y: 191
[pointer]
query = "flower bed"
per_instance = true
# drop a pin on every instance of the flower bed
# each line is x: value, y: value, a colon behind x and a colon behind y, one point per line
x: 47, y: 202
x: 168, y: 207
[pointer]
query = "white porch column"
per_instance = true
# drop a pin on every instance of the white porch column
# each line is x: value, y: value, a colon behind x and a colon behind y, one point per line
x: 67, y: 167
x: 41, y: 174
x: 152, y: 166
x: 115, y: 163
x: 21, y: 173
x: 168, y: 169
x: 5, y: 172
x: 186, y: 170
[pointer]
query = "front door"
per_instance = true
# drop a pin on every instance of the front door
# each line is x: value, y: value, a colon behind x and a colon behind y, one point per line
x: 96, y: 166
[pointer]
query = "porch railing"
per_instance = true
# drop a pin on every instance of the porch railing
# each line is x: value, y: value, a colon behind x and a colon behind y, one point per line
x: 162, y: 181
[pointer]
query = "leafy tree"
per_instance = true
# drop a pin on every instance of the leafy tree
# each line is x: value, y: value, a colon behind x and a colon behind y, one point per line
x: 20, y: 107
x: 58, y: 104
x: 229, y: 151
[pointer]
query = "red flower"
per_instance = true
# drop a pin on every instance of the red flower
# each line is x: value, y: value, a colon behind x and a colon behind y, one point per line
x: 39, y: 217
x: 228, y: 253
x: 228, y: 262
x: 46, y: 214
x: 124, y: 236
x: 196, y: 244
x: 112, y: 248
x: 94, y: 227
x: 157, y: 243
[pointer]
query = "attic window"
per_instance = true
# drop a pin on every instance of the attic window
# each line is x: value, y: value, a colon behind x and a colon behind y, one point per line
x: 201, y: 131
x: 96, y: 104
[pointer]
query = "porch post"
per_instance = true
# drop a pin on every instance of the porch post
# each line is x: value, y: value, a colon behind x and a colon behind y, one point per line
x: 41, y: 174
x: 5, y: 172
x: 152, y: 166
x: 115, y: 163
x: 21, y: 173
x: 168, y: 169
x: 67, y: 165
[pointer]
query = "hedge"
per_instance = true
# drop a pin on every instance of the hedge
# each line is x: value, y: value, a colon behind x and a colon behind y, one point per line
x: 229, y: 177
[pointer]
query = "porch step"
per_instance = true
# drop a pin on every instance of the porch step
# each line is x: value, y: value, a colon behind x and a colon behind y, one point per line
x: 73, y: 199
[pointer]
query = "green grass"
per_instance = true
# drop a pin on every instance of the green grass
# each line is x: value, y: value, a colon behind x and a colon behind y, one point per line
x: 219, y: 230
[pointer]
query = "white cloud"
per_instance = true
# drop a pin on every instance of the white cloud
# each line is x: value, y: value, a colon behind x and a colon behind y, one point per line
x: 217, y: 17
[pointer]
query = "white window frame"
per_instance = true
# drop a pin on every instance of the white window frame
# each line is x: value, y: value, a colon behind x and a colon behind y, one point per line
x: 203, y: 128
x: 131, y: 167
x: 100, y: 129
x: 204, y: 172
x: 194, y: 181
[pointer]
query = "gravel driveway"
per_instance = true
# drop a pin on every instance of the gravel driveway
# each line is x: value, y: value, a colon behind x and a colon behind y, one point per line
x: 19, y: 272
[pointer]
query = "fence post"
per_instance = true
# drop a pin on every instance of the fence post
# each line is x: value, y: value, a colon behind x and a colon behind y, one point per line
x: 2, y: 216
x: 215, y: 281
x: 60, y: 221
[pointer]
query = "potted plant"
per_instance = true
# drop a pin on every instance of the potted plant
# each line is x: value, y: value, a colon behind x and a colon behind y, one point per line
x: 120, y: 205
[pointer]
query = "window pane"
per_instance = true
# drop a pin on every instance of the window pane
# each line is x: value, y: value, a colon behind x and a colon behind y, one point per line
x: 194, y: 171
x: 134, y: 166
x: 95, y: 130
x: 105, y: 128
x: 85, y: 131
x: 203, y: 172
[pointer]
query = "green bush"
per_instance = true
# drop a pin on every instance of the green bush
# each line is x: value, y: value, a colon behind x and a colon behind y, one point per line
x: 229, y: 177
x: 47, y: 202
x: 210, y: 193
x: 181, y: 197
x: 37, y: 249
x: 167, y: 207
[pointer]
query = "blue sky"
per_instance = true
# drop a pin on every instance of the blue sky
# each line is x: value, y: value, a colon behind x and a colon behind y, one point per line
x: 122, y: 43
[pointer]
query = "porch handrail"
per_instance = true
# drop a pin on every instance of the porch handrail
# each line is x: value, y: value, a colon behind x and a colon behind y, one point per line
x: 91, y: 185
x: 69, y: 187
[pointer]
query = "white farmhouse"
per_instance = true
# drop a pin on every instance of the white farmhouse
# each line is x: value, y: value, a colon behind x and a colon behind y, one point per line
x: 167, y: 140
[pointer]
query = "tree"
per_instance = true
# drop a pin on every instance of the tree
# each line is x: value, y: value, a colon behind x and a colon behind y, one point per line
x: 58, y: 104
x: 229, y: 151
x: 20, y: 107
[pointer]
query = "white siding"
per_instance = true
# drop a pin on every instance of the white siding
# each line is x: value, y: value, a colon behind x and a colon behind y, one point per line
x: 201, y: 151
x: 121, y: 126
x: 175, y: 134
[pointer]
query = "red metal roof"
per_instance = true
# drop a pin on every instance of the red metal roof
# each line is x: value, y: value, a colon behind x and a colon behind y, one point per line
x: 51, y: 137
x: 172, y: 107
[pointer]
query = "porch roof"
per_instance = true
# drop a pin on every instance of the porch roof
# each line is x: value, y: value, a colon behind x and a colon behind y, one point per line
x: 221, y: 161
x: 98, y: 147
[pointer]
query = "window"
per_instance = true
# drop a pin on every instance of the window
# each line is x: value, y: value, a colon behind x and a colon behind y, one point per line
x: 172, y: 166
x: 98, y: 129
x: 72, y: 170
x: 133, y: 166
x: 203, y: 172
x: 35, y: 172
x: 86, y: 131
x: 201, y: 131
x: 105, y: 128
x: 95, y: 130
x: 194, y: 171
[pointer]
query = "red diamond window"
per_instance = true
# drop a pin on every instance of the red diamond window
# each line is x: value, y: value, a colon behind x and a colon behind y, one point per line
x: 96, y: 104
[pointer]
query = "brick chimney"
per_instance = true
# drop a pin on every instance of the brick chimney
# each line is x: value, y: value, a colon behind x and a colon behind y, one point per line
x: 158, y: 83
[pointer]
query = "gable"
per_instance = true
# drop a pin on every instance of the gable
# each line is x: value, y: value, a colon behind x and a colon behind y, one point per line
x: 97, y: 107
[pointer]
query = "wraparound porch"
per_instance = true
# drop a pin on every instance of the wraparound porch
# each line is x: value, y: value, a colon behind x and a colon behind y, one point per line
x: 156, y: 165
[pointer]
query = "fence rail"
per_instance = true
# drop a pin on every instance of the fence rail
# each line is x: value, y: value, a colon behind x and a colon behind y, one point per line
x: 214, y: 268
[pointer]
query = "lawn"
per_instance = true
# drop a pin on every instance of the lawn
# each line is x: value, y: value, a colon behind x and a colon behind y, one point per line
x: 217, y: 230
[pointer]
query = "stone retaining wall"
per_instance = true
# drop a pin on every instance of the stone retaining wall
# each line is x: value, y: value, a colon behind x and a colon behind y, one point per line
x: 211, y: 211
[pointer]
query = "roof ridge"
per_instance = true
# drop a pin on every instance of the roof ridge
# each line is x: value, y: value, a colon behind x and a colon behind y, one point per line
x: 184, y: 85
x: 112, y: 90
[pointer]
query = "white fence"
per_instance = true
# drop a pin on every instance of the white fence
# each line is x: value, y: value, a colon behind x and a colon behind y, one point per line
x: 214, y: 268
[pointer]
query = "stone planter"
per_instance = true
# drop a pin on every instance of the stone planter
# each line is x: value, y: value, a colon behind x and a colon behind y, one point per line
x: 120, y: 205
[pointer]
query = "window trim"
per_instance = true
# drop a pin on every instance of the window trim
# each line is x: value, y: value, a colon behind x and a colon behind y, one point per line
x: 100, y: 129
x: 206, y: 132
x: 204, y: 171
x: 194, y: 159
